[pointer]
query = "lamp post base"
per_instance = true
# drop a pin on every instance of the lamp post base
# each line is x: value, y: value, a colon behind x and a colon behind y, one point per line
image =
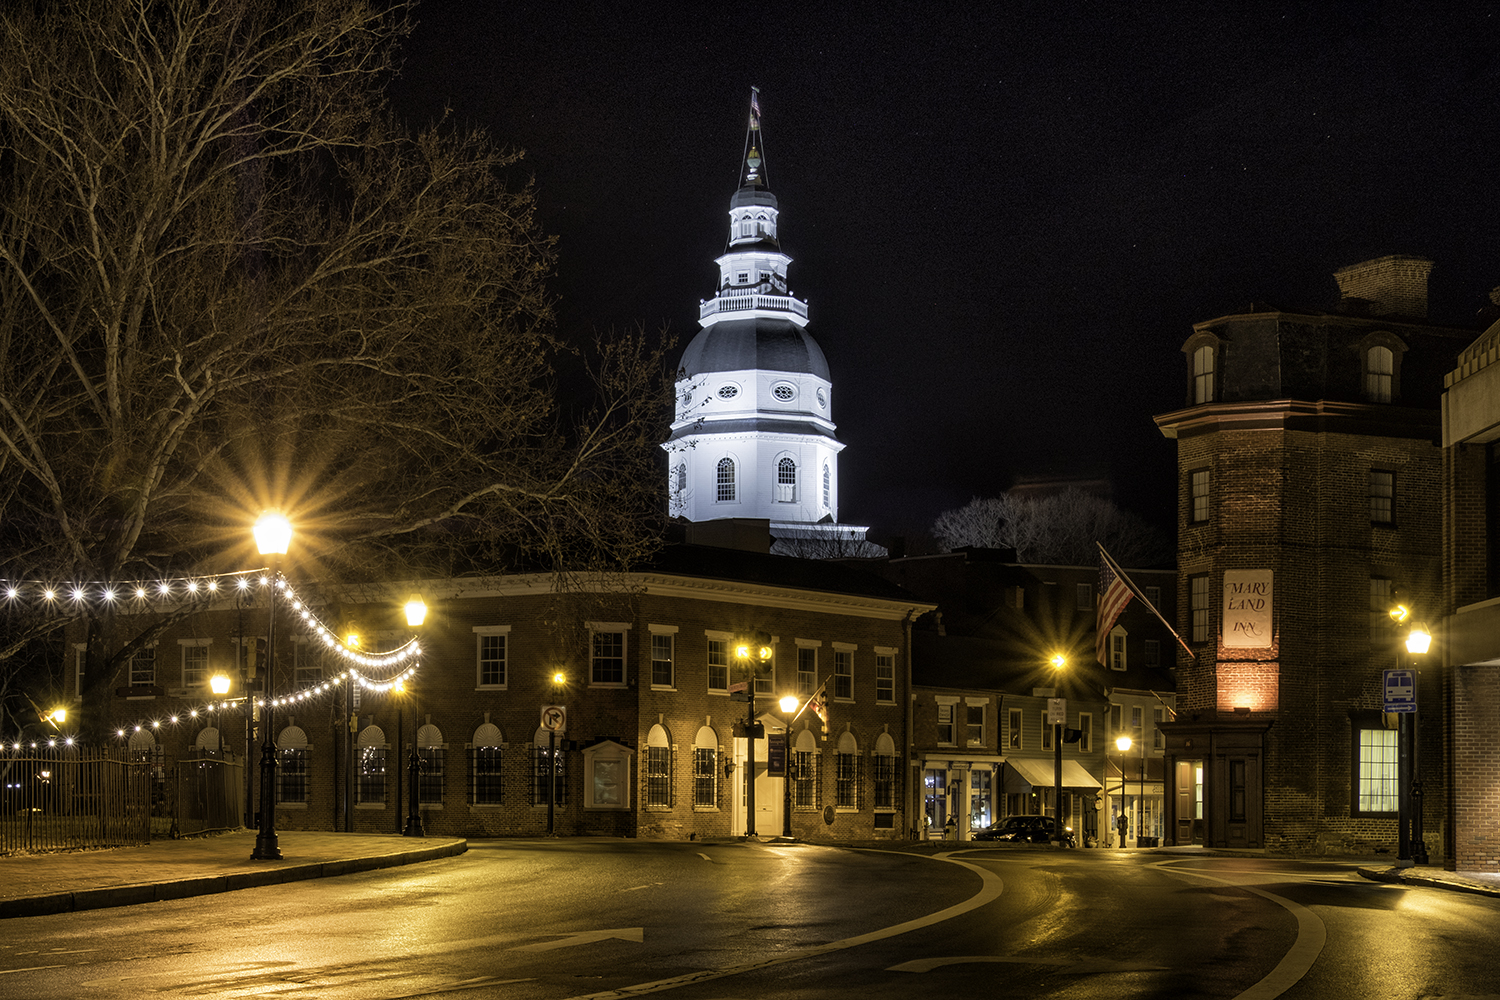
x: 414, y: 827
x: 266, y: 848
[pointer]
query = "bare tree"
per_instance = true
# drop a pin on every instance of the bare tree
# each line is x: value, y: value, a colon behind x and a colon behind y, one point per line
x: 230, y: 280
x: 1061, y: 529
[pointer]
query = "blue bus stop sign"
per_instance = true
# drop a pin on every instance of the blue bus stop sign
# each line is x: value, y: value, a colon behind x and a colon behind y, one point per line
x: 1400, y: 690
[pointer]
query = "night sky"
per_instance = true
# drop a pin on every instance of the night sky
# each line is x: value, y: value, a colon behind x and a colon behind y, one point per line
x: 1005, y: 223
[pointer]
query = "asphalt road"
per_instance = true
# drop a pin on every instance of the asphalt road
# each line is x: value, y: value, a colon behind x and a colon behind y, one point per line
x: 595, y: 918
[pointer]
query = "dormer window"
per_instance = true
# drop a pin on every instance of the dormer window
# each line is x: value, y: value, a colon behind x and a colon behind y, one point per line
x: 1380, y: 373
x: 1203, y: 374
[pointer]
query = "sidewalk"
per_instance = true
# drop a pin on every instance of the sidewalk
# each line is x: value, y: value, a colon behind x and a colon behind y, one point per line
x: 38, y: 884
x: 1481, y: 883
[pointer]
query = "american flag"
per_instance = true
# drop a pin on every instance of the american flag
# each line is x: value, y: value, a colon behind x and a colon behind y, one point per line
x: 1114, y: 594
x: 818, y: 704
x: 755, y: 107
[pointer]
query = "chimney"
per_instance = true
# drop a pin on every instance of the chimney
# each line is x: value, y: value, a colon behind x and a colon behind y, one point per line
x: 1386, y: 286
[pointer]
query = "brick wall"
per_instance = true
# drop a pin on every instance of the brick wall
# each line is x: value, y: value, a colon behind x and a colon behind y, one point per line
x: 1476, y: 763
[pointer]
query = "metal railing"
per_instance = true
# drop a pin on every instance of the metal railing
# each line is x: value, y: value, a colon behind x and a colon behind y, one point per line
x: 207, y: 793
x: 740, y: 303
x: 70, y: 798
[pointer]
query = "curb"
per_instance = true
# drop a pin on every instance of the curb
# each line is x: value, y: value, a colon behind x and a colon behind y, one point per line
x: 1414, y: 876
x: 155, y: 892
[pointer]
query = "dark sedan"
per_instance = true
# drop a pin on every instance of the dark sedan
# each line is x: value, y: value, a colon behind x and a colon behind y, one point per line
x: 1025, y: 830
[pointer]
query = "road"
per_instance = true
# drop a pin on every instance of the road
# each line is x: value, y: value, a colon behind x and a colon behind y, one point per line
x: 517, y: 920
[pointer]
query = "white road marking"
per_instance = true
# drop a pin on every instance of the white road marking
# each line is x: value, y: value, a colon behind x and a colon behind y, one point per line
x: 34, y: 968
x: 636, y: 934
x: 705, y: 857
x: 989, y: 890
x: 1064, y: 965
x: 1312, y: 935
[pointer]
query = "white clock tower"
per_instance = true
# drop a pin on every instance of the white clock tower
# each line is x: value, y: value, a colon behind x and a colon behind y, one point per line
x: 753, y: 435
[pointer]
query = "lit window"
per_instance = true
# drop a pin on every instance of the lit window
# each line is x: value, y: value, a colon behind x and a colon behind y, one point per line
x: 848, y: 788
x: 369, y: 786
x: 291, y: 771
x: 885, y: 772
x: 1379, y: 374
x: 549, y: 770
x: 1203, y: 375
x: 706, y: 769
x: 945, y: 724
x: 807, y: 784
x: 726, y: 480
x: 1375, y: 774
x: 431, y: 754
x: 1382, y: 496
x: 1200, y: 495
x: 486, y: 785
x: 658, y: 769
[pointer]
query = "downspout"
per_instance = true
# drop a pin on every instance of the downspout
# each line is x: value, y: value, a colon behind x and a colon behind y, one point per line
x: 914, y: 777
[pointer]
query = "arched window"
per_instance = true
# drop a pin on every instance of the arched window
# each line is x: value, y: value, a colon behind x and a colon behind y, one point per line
x: 706, y: 769
x: 291, y: 772
x: 369, y: 788
x: 549, y: 768
x: 208, y: 741
x: 658, y: 769
x: 848, y: 788
x: 1203, y: 374
x: 1380, y: 369
x: 431, y: 755
x: 726, y: 480
x: 485, y: 757
x: 786, y: 481
x: 885, y: 772
x: 682, y: 478
x: 827, y: 488
x: 807, y: 788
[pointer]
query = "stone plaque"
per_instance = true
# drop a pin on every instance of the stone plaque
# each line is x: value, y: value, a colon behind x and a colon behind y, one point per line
x: 1247, y: 607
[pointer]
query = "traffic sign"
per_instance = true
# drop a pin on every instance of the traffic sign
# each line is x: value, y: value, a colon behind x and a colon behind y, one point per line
x: 1400, y: 690
x: 555, y: 718
x: 1057, y: 711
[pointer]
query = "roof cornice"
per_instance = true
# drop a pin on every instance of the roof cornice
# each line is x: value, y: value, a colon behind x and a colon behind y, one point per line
x: 1318, y: 416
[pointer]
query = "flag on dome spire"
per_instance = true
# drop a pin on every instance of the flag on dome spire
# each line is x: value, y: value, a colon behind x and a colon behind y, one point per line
x: 754, y: 108
x: 754, y: 171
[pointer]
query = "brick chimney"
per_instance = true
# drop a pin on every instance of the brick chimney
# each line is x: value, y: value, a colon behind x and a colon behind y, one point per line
x: 1386, y: 286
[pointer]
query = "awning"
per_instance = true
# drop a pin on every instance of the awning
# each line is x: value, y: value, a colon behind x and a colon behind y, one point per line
x: 1038, y: 773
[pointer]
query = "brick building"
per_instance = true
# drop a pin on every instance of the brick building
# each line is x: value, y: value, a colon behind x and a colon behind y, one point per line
x: 1470, y: 637
x: 654, y: 739
x: 1309, y: 481
x: 982, y: 678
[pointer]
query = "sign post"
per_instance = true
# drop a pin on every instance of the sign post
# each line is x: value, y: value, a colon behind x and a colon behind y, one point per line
x: 554, y: 719
x: 1057, y: 714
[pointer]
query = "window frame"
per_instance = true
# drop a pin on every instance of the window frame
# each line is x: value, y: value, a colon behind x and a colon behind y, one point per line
x: 1381, y: 493
x: 146, y: 653
x: 1199, y: 482
x: 194, y: 646
x: 945, y: 710
x: 718, y: 659
x: 1199, y: 606
x: 491, y: 632
x: 1379, y: 385
x: 1205, y: 366
x: 663, y: 640
x: 1118, y: 646
x: 487, y: 783
x: 843, y: 673
x: 970, y: 706
x: 1086, y: 727
x: 885, y: 677
x: 807, y: 668
x: 1083, y: 594
x: 609, y: 659
x: 1016, y: 732
x: 725, y: 490
x: 1373, y: 781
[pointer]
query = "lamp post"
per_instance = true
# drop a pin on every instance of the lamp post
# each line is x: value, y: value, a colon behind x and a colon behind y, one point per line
x: 1122, y: 744
x: 558, y: 680
x: 416, y: 614
x: 273, y: 536
x: 1058, y: 661
x: 752, y: 651
x: 789, y: 705
x: 1418, y: 641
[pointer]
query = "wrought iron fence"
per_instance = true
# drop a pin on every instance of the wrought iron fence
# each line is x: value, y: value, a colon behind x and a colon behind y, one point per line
x: 206, y: 793
x: 66, y: 798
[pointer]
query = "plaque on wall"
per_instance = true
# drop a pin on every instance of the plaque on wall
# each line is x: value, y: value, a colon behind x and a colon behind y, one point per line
x: 1247, y: 607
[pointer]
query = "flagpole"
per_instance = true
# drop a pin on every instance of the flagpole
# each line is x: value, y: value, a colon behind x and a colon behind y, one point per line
x: 1138, y: 592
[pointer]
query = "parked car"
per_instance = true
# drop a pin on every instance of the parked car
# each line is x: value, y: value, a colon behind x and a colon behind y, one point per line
x: 1025, y: 830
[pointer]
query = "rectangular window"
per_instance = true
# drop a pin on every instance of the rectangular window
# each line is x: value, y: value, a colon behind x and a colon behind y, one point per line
x: 194, y: 664
x: 1199, y: 479
x: 705, y: 778
x: 658, y: 777
x: 1086, y: 729
x: 976, y: 725
x: 661, y: 660
x: 491, y: 655
x: 945, y: 724
x: 807, y: 671
x: 1153, y: 652
x: 1046, y: 732
x: 1085, y: 597
x: 1117, y: 649
x: 1203, y: 374
x: 370, y: 786
x: 843, y: 675
x: 1375, y: 771
x: 291, y: 774
x: 1157, y: 739
x: 718, y: 665
x: 1382, y: 497
x: 1153, y: 594
x: 1198, y: 592
x: 885, y: 677
x: 1115, y: 725
x: 307, y: 664
x: 430, y: 775
x: 607, y: 665
x: 885, y: 781
x: 1136, y: 714
x: 485, y: 784
x: 1015, y: 729
x: 847, y: 785
x: 1380, y: 595
x: 143, y: 667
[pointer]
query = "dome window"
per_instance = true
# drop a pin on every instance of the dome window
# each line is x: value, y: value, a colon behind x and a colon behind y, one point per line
x: 822, y: 400
x: 784, y: 391
x: 728, y: 391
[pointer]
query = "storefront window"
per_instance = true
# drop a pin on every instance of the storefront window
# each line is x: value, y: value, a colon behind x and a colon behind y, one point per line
x: 981, y: 807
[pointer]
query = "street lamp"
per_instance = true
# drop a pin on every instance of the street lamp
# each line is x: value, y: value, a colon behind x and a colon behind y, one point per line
x: 1058, y: 662
x: 559, y: 680
x: 789, y: 705
x: 219, y: 684
x: 752, y: 651
x: 1418, y: 641
x: 416, y: 614
x: 273, y: 536
x: 1122, y: 744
